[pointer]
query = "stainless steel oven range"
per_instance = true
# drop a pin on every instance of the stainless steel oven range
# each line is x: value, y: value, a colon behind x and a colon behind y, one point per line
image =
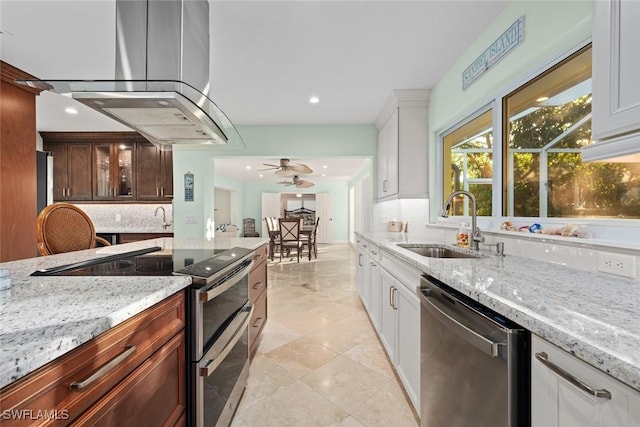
x: 218, y: 311
x: 218, y: 348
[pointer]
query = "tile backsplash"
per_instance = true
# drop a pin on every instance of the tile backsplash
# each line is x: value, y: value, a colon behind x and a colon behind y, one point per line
x: 128, y: 218
x: 621, y: 237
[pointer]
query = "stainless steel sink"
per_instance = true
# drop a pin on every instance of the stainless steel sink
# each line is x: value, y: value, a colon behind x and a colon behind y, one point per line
x: 437, y: 251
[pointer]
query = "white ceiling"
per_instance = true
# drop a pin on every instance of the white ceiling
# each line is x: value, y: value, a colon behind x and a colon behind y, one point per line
x: 268, y: 57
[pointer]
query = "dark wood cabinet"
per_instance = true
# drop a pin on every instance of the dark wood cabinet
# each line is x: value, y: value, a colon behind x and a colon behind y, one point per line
x: 135, y: 369
x: 71, y: 170
x: 154, y: 173
x: 114, y: 176
x: 153, y: 395
x: 258, y: 297
x: 18, y: 165
x: 108, y: 166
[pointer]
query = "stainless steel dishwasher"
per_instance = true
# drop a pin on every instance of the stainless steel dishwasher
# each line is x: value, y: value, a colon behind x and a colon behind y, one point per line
x: 475, y: 369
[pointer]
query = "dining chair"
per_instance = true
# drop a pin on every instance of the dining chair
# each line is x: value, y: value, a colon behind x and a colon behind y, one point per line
x: 313, y: 242
x: 290, y: 235
x: 63, y: 227
x: 274, y: 235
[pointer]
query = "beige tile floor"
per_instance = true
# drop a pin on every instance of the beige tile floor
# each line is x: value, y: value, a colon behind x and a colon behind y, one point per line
x: 320, y: 362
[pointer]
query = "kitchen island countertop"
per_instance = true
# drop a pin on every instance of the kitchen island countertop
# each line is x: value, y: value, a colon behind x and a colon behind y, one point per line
x: 42, y: 318
x: 594, y: 316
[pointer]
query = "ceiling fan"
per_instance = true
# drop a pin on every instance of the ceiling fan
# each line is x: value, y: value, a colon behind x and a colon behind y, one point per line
x: 300, y: 183
x: 288, y: 168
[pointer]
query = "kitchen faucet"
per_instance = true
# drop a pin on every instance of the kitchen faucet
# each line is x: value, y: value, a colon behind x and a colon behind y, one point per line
x: 476, y: 238
x: 165, y: 224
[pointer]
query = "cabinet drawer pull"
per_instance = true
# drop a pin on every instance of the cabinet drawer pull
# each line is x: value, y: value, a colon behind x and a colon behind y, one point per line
x: 374, y: 252
x: 162, y: 191
x: 111, y: 365
x: 544, y: 359
x: 391, y: 288
x: 157, y: 192
x: 68, y: 191
x: 258, y: 322
x: 258, y: 285
x: 258, y: 257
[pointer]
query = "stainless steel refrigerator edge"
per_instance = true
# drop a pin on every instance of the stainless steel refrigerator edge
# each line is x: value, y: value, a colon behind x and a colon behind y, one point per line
x: 475, y: 369
x: 44, y: 165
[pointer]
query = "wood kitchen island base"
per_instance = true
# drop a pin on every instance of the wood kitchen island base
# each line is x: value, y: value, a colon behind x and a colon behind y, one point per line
x: 134, y: 371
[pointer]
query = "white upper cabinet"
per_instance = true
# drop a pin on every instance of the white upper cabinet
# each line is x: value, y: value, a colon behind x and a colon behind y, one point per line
x: 402, y: 146
x: 388, y: 157
x: 616, y: 86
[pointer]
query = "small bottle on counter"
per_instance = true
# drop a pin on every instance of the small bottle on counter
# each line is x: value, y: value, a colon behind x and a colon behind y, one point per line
x: 462, y: 237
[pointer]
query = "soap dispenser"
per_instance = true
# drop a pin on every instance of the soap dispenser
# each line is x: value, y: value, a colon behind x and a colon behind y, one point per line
x: 462, y: 236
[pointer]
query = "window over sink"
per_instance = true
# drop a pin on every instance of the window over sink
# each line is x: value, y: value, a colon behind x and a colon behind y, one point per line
x: 544, y: 125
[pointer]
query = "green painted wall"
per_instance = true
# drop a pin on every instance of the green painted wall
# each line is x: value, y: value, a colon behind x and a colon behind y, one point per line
x: 229, y: 184
x: 306, y: 141
x: 355, y: 141
x: 339, y: 190
x: 552, y: 28
x: 190, y: 219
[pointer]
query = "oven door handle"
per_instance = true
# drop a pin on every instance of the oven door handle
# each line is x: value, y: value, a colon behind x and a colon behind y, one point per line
x: 214, y: 291
x: 225, y: 343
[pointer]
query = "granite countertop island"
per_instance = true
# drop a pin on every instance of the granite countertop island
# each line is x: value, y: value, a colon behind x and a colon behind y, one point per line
x: 42, y: 318
x: 594, y: 316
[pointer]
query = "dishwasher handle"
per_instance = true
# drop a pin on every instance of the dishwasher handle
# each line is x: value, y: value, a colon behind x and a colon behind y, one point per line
x: 479, y: 341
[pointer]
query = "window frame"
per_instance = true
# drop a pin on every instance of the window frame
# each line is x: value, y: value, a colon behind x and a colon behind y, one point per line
x: 612, y: 229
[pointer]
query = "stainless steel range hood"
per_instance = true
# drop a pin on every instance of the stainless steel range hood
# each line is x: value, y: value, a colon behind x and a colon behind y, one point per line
x: 161, y: 81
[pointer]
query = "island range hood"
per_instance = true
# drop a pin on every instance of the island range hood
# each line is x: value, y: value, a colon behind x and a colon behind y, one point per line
x: 161, y: 81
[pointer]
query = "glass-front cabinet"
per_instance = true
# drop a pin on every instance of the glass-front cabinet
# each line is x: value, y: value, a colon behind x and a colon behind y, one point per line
x: 114, y: 175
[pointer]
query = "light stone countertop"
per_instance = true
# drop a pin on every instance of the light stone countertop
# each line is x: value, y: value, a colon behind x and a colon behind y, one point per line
x: 594, y: 316
x: 42, y: 318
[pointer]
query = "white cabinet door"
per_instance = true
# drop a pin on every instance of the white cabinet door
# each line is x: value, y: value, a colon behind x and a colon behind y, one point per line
x: 388, y: 328
x: 391, y: 186
x: 365, y: 296
x: 408, y: 342
x: 388, y: 157
x: 376, y: 294
x: 361, y: 256
x: 556, y: 402
x: 616, y: 67
x: 402, y: 146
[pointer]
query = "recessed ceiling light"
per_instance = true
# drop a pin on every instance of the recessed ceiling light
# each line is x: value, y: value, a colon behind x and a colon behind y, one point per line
x: 324, y: 174
x: 261, y: 175
x: 542, y: 99
x: 71, y: 110
x: 314, y: 100
x: 324, y: 166
x: 298, y: 194
x: 248, y: 167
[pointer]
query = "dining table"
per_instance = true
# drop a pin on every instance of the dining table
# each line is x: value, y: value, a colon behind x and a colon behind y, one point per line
x: 305, y: 232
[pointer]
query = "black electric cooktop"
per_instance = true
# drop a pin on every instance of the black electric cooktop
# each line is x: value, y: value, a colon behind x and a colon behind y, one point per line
x: 147, y: 262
